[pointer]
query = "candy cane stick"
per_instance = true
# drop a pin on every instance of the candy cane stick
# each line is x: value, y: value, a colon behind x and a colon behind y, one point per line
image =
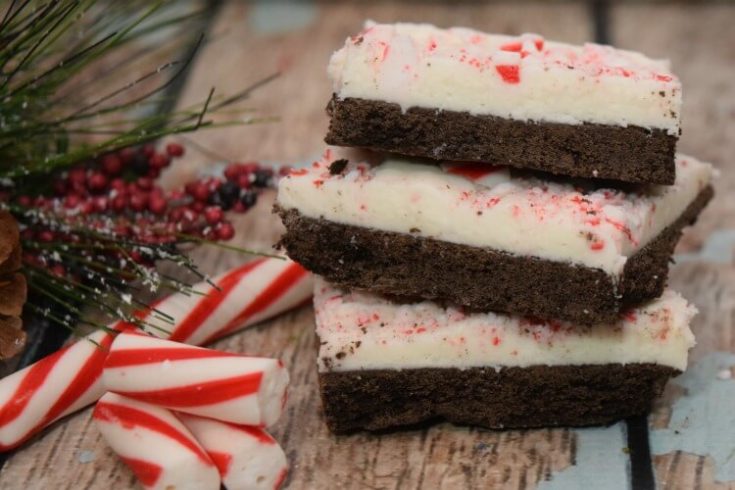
x: 247, y: 458
x: 156, y: 446
x: 69, y: 379
x: 228, y: 387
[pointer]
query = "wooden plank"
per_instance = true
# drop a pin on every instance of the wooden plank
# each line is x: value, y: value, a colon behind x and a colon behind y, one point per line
x: 699, y: 40
x: 71, y: 454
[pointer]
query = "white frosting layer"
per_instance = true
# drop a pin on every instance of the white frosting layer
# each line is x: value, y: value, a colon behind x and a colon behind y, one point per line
x: 523, y: 78
x: 365, y: 331
x: 487, y: 207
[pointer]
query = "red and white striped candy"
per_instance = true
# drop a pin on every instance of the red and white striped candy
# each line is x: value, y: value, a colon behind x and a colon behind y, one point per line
x: 69, y: 379
x: 248, y: 458
x: 219, y: 385
x: 55, y: 386
x: 249, y: 294
x: 156, y: 446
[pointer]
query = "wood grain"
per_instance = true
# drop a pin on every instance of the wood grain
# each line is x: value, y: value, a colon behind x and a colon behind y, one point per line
x: 699, y: 40
x: 441, y: 456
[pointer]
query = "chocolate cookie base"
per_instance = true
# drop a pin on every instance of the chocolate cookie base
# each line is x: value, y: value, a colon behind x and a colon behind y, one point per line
x: 629, y: 154
x: 511, y: 398
x: 484, y: 279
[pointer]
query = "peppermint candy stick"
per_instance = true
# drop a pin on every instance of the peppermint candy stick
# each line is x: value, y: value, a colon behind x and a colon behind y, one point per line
x: 156, y: 446
x: 247, y: 458
x: 219, y: 385
x: 69, y: 379
x: 244, y: 296
x: 57, y: 385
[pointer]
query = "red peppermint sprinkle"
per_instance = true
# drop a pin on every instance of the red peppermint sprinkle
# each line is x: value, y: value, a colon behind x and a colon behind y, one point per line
x: 597, y: 245
x: 509, y: 73
x: 514, y: 46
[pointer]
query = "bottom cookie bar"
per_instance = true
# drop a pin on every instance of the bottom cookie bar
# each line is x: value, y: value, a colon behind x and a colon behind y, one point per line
x: 535, y: 396
x: 384, y: 364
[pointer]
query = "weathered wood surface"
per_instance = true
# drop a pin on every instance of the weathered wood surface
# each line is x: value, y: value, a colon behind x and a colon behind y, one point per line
x: 251, y: 41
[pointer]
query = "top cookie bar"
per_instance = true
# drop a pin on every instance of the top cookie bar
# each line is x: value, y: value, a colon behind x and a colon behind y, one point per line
x: 458, y: 94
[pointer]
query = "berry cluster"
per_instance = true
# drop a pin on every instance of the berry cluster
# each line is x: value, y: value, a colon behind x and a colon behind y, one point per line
x: 116, y: 197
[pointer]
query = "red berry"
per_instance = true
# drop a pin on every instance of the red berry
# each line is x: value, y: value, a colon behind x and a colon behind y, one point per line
x: 238, y: 207
x: 197, y: 206
x: 243, y: 181
x: 100, y: 204
x: 78, y: 176
x: 77, y: 188
x: 119, y: 203
x: 153, y: 173
x: 148, y: 150
x: 59, y: 187
x: 144, y: 183
x: 157, y: 204
x: 126, y: 155
x: 25, y: 201
x: 190, y: 216
x: 138, y: 201
x: 97, y: 182
x: 136, y: 256
x: 174, y: 149
x: 225, y: 231
x: 200, y: 192
x: 176, y: 214
x: 58, y: 270
x: 122, y: 230
x: 112, y: 164
x: 250, y: 167
x: 118, y: 185
x: 213, y: 214
x: 233, y: 171
x: 88, y: 207
x: 71, y: 201
x: 159, y: 161
x: 46, y: 236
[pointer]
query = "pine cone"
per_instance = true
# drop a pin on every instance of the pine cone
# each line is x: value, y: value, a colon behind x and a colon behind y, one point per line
x: 13, y: 288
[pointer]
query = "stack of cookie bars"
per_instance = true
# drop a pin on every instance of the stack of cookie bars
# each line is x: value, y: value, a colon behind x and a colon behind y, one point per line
x: 494, y: 245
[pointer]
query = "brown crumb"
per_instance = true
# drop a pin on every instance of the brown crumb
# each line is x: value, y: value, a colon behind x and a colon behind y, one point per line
x: 337, y: 166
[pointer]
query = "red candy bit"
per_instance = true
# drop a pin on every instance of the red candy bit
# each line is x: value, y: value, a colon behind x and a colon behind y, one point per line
x: 513, y: 46
x: 539, y: 44
x: 496, y: 340
x: 663, y: 78
x: 174, y: 150
x: 509, y: 73
x: 597, y: 245
x: 299, y: 171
